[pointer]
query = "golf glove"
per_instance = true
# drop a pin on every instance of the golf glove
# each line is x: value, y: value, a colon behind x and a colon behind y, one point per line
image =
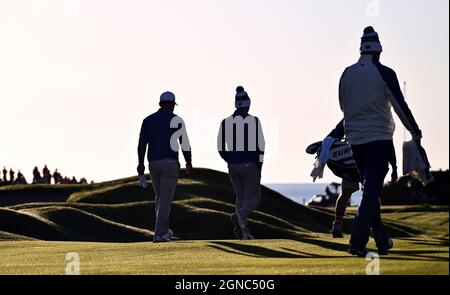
x: 142, y: 181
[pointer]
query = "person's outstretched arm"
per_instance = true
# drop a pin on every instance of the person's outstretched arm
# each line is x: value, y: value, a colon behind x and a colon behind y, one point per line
x: 393, y: 162
x: 187, y: 153
x: 221, y: 142
x: 339, y: 131
x: 142, y: 149
x: 397, y: 100
x: 261, y: 143
x: 185, y: 145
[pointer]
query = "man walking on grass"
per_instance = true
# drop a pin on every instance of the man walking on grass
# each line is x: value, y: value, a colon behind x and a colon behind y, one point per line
x: 163, y: 132
x: 367, y: 91
x: 350, y: 180
x: 241, y: 144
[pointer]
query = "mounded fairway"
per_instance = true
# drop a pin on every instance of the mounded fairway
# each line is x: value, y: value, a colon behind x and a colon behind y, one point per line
x: 315, y: 256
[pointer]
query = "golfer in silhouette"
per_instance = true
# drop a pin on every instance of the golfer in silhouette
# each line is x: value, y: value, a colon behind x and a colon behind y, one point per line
x: 367, y: 92
x: 241, y: 144
x: 350, y: 180
x: 163, y: 133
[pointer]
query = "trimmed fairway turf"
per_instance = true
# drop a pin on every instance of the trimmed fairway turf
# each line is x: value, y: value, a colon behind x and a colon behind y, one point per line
x: 320, y: 255
x: 110, y: 225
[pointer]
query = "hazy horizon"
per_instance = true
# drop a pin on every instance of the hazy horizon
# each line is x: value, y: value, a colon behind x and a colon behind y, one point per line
x: 78, y: 77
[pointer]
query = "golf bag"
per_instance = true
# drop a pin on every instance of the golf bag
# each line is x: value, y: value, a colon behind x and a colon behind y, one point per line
x: 341, y: 161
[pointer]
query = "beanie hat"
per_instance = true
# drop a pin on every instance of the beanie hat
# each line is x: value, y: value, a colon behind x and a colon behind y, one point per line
x: 241, y: 99
x: 370, y: 42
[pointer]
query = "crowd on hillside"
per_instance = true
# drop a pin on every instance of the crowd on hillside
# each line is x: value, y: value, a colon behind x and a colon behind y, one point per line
x: 10, y: 177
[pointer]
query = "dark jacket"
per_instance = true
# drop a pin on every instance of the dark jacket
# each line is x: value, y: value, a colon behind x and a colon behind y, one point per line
x: 251, y: 145
x: 367, y: 91
x: 157, y: 133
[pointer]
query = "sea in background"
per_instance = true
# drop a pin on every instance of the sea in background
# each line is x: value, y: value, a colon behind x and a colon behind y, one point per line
x: 303, y: 192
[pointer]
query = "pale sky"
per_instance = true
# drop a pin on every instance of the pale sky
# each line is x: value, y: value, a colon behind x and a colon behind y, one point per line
x: 77, y: 77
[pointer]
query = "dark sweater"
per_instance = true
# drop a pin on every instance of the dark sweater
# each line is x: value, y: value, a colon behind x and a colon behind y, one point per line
x: 156, y: 133
x: 231, y: 154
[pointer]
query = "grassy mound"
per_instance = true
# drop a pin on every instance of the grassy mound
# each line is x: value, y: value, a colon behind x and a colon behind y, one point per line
x: 5, y: 236
x: 121, y: 211
x: 28, y: 225
x: 79, y: 225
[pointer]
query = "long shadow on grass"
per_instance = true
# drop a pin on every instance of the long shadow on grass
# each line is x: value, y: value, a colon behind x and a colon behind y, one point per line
x: 412, y: 255
x: 326, y: 244
x: 231, y: 251
x: 423, y: 258
x: 261, y: 252
x: 419, y: 255
x: 436, y: 242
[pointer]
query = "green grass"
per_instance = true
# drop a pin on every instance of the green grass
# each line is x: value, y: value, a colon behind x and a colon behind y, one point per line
x: 319, y: 255
x: 111, y: 225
